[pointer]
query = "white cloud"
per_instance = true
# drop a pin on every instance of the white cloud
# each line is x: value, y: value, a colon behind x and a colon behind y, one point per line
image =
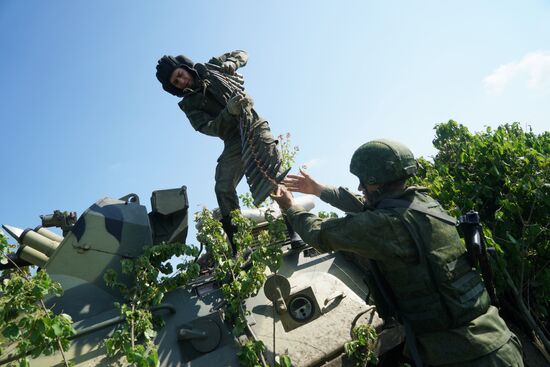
x: 533, y: 69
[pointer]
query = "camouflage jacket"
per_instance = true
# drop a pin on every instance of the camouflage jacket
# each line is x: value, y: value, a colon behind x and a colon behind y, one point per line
x: 443, y: 300
x: 205, y: 106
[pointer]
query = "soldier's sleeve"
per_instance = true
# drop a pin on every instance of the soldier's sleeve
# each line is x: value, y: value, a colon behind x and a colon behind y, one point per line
x: 207, y: 124
x: 342, y: 199
x: 370, y: 233
x: 239, y: 57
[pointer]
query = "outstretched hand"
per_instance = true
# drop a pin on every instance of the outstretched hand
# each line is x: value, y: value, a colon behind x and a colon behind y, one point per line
x: 282, y: 197
x: 229, y: 67
x: 238, y: 102
x: 303, y: 183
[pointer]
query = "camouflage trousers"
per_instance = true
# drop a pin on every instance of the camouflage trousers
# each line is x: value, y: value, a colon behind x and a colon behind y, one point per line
x: 230, y: 168
x: 509, y: 355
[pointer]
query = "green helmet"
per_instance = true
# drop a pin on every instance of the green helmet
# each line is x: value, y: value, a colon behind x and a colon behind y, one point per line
x: 382, y: 161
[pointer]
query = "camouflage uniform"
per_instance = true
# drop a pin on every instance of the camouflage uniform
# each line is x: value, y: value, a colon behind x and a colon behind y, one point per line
x: 436, y: 290
x: 205, y: 107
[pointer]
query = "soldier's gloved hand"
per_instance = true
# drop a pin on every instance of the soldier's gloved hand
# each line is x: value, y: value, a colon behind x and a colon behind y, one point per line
x: 303, y: 183
x: 235, y: 104
x: 248, y: 101
x: 283, y: 197
x: 229, y: 67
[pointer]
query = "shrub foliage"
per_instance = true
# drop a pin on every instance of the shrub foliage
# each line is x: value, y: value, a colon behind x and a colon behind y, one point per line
x: 504, y: 174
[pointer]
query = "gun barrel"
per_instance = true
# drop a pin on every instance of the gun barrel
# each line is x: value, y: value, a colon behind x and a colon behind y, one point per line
x: 48, y: 234
x: 32, y: 256
x: 39, y: 242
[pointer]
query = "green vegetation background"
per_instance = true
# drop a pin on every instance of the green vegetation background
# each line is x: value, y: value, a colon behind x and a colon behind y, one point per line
x: 504, y: 174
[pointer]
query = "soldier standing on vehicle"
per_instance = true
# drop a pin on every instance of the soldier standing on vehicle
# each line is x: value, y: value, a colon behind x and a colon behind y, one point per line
x: 416, y: 258
x: 213, y: 98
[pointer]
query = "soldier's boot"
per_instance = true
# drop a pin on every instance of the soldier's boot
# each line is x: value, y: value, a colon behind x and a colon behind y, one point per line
x: 230, y: 230
x: 295, y: 239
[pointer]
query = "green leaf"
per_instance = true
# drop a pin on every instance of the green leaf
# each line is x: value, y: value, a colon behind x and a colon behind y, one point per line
x: 11, y: 332
x: 149, y: 333
x: 153, y: 359
x: 284, y: 361
x: 57, y: 329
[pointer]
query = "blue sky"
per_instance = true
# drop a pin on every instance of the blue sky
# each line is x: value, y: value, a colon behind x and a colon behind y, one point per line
x: 82, y: 115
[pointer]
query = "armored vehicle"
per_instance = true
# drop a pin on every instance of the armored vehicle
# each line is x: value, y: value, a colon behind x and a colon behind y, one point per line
x: 306, y: 310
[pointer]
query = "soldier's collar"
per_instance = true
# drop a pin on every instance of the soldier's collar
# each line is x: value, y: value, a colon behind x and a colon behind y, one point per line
x: 377, y: 196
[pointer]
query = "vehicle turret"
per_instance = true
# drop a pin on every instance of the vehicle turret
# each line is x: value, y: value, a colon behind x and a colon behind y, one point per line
x: 308, y: 307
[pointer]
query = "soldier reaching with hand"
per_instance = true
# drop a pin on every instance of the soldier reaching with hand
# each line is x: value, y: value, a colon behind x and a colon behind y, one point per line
x: 213, y: 98
x: 417, y: 262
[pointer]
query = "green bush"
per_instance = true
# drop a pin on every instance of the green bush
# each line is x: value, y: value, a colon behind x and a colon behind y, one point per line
x: 24, y: 318
x: 504, y: 174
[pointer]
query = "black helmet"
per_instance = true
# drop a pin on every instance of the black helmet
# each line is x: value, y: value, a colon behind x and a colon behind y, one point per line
x: 382, y: 161
x: 166, y: 66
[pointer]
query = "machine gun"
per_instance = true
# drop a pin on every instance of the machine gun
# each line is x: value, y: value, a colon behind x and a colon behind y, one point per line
x: 470, y: 228
x: 64, y: 220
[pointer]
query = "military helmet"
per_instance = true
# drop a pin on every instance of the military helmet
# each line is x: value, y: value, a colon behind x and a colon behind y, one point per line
x: 382, y: 161
x: 166, y: 66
